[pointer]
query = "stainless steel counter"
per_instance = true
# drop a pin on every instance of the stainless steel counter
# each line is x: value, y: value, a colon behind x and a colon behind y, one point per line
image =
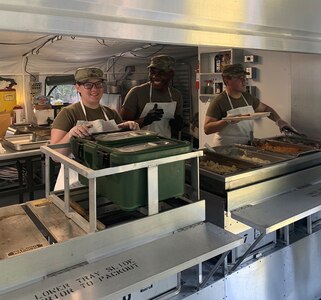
x: 13, y: 154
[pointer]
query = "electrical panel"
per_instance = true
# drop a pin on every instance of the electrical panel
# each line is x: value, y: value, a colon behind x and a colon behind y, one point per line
x: 35, y: 88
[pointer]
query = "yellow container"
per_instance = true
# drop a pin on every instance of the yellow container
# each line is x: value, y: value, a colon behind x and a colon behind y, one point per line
x: 7, y: 100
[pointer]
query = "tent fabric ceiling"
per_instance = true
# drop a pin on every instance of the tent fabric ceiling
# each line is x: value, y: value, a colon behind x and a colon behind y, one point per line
x: 48, y: 54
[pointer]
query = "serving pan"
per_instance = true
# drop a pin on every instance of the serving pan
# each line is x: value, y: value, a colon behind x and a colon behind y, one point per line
x: 296, y: 140
x: 23, y: 142
x: 250, y: 154
x: 282, y: 147
x: 220, y: 164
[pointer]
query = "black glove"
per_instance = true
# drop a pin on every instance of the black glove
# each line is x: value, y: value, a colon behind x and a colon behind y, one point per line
x: 154, y: 114
x: 177, y: 123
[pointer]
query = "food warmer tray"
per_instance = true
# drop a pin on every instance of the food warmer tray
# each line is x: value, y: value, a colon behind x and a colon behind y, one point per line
x: 296, y: 140
x: 279, y: 147
x: 220, y: 164
x: 251, y: 155
x: 23, y: 142
x: 221, y: 184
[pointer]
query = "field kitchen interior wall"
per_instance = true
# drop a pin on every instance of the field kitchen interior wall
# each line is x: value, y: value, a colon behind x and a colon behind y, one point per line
x: 290, y: 45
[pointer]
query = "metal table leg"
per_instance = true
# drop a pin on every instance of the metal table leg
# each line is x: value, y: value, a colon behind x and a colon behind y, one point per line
x: 212, y: 272
x: 20, y: 180
x: 249, y: 250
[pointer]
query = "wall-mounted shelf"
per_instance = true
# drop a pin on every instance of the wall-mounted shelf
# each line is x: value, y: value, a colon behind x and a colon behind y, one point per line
x: 210, y: 74
x: 207, y: 68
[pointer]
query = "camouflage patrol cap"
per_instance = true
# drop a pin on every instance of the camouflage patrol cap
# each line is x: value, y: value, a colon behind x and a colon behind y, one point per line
x: 83, y: 74
x: 235, y: 70
x: 162, y: 62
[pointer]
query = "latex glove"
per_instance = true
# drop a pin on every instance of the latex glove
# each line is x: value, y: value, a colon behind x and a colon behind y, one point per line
x: 284, y: 125
x: 132, y: 125
x: 177, y: 123
x: 153, y: 115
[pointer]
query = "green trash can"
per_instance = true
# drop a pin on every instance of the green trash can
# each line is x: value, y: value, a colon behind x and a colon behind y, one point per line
x: 129, y: 190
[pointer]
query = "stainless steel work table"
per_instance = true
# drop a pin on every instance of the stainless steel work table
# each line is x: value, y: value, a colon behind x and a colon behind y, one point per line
x: 13, y: 154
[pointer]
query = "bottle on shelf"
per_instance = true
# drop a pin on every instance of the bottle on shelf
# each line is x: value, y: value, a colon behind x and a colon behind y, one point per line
x: 218, y: 63
x: 197, y: 81
x: 218, y: 87
x: 208, y: 89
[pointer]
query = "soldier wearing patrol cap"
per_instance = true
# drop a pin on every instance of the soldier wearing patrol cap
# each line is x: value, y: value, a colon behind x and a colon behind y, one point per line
x: 84, y: 74
x: 90, y: 86
x: 156, y: 105
x: 235, y: 101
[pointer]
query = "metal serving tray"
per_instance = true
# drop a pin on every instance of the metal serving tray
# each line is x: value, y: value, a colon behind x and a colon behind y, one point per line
x: 296, y: 140
x: 272, y: 146
x: 23, y: 142
x: 251, y: 155
x: 221, y: 184
x: 224, y: 165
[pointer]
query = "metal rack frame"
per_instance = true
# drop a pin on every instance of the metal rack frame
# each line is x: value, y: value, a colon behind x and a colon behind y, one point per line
x: 50, y: 151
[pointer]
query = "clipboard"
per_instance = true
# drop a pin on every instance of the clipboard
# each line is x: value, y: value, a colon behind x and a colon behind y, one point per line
x: 168, y: 108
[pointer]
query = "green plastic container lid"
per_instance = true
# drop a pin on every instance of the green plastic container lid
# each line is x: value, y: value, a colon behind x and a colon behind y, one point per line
x: 153, y: 145
x: 124, y: 137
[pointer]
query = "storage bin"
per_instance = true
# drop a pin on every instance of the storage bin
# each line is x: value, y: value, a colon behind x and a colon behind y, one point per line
x: 7, y: 100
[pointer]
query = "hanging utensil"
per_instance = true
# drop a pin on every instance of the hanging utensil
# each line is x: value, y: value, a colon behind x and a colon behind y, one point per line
x: 291, y: 131
x: 208, y: 147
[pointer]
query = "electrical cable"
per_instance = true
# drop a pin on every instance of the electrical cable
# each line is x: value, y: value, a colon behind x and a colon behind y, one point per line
x: 102, y: 42
x: 135, y: 55
x: 25, y: 68
x: 147, y: 56
x: 25, y: 43
x: 37, y: 49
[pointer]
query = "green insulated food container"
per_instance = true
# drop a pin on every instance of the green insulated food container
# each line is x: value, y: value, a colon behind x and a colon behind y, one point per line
x: 129, y: 190
x: 85, y: 149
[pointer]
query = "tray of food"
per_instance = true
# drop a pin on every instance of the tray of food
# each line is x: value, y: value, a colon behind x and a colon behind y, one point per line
x: 250, y: 154
x: 241, y: 117
x: 283, y: 147
x: 22, y: 142
x: 296, y: 140
x: 217, y: 163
